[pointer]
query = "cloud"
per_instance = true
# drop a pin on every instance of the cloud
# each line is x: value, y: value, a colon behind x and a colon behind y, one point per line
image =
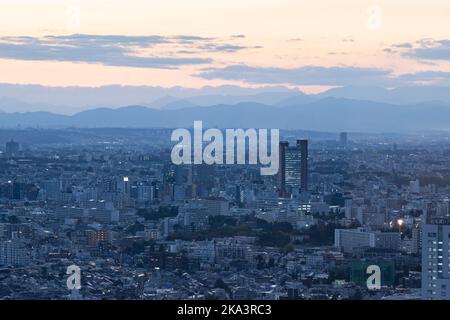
x: 426, y: 49
x: 192, y: 39
x: 404, y: 45
x: 325, y: 76
x: 429, y: 77
x: 348, y: 39
x: 437, y: 50
x: 105, y: 40
x: 389, y: 50
x: 333, y: 53
x: 211, y: 47
x: 151, y: 51
x: 308, y: 75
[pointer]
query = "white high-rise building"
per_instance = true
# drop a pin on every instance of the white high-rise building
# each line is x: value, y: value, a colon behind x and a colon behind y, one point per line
x: 436, y: 259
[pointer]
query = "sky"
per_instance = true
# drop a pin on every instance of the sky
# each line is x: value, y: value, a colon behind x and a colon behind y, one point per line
x: 310, y: 45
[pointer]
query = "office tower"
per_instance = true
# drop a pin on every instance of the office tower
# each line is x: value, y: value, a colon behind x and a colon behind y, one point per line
x: 293, y: 169
x: 303, y: 144
x: 343, y: 138
x: 416, y: 239
x: 123, y: 185
x: 436, y: 259
x: 289, y: 171
x: 284, y: 145
x: 12, y: 148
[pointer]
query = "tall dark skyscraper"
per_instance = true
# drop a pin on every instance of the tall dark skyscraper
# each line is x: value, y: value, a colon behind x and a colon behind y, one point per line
x: 293, y: 171
x: 284, y: 145
x: 303, y: 145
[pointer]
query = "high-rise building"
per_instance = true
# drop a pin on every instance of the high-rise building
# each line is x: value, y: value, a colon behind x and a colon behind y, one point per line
x: 282, y: 168
x: 293, y: 170
x: 436, y: 259
x: 303, y: 145
x: 123, y: 185
x: 416, y: 239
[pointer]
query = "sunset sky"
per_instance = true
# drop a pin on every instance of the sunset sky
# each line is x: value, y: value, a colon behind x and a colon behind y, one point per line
x: 306, y: 44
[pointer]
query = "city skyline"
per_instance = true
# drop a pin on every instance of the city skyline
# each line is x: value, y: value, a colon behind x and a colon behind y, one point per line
x: 111, y: 206
x: 233, y: 152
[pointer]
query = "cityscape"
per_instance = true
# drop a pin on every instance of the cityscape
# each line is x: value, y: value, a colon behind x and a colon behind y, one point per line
x: 140, y: 227
x: 207, y: 159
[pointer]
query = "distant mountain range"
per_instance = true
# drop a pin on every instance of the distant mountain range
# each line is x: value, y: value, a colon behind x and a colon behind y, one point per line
x: 70, y: 100
x: 328, y: 114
